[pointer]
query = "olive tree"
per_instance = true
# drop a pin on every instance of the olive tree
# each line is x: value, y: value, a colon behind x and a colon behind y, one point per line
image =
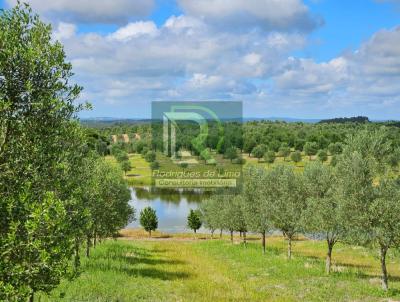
x: 284, y: 151
x: 296, y: 157
x: 256, y: 209
x: 385, y: 223
x: 310, y: 149
x: 232, y: 214
x: 211, y: 210
x: 259, y: 151
x: 37, y: 142
x: 322, y: 214
x: 287, y: 202
x: 370, y: 210
x: 269, y: 157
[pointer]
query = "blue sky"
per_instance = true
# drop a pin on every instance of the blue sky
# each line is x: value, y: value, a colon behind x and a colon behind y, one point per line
x: 294, y: 58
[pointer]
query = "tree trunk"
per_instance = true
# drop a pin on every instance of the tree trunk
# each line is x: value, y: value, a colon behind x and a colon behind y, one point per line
x: 232, y: 236
x: 220, y: 234
x: 32, y: 297
x: 383, y: 267
x: 88, y: 241
x: 289, y: 251
x: 263, y: 242
x: 329, y: 258
x: 150, y: 233
x: 77, y: 260
x: 212, y: 234
x: 244, y: 238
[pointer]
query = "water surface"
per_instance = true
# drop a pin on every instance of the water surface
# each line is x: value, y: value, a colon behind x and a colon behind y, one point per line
x: 172, y: 207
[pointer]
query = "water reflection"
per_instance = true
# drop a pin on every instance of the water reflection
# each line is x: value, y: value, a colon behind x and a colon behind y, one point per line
x: 172, y: 206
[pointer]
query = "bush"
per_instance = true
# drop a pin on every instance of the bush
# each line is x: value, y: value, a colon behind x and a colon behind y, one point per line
x: 239, y: 161
x: 194, y: 221
x: 155, y: 165
x: 122, y: 156
x: 296, y: 156
x: 144, y: 151
x: 150, y: 156
x: 322, y: 155
x: 126, y: 166
x: 184, y: 165
x: 259, y: 151
x: 269, y: 157
x: 148, y: 219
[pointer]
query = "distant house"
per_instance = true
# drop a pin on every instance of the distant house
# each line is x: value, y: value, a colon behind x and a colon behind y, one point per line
x: 125, y: 138
x: 137, y: 136
x: 114, y: 139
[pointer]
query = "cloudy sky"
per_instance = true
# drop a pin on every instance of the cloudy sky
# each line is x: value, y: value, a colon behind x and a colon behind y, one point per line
x: 287, y: 58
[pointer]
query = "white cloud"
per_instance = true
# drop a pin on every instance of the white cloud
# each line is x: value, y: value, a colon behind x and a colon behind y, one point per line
x: 91, y: 11
x: 304, y: 76
x: 189, y: 57
x: 182, y: 22
x: 266, y: 14
x: 133, y: 30
x: 64, y: 31
x: 365, y: 79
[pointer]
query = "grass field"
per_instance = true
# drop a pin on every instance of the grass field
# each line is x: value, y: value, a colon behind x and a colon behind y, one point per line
x: 140, y: 174
x: 181, y: 268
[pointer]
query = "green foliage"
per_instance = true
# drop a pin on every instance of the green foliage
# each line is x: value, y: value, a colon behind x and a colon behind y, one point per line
x: 193, y: 220
x: 126, y: 166
x: 144, y: 151
x: 269, y: 157
x: 287, y: 202
x: 38, y: 142
x: 122, y: 156
x: 150, y: 156
x: 231, y: 153
x: 48, y: 166
x: 154, y: 165
x: 299, y: 144
x: 232, y: 214
x: 210, y: 210
x: 310, y: 148
x: 322, y: 155
x: 284, y: 151
x: 259, y: 151
x: 148, y: 219
x: 322, y: 214
x: 335, y: 148
x: 255, y: 206
x: 296, y: 156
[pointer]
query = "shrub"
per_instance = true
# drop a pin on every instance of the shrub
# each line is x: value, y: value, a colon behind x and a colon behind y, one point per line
x: 148, y: 219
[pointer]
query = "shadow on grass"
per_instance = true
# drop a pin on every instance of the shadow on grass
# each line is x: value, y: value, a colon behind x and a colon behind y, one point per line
x: 363, y: 275
x: 132, y: 175
x: 130, y: 260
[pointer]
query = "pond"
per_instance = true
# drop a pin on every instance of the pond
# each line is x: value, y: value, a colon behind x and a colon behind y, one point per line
x: 172, y: 207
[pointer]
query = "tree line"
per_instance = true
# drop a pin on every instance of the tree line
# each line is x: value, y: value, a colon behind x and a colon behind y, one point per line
x: 56, y: 193
x: 357, y: 201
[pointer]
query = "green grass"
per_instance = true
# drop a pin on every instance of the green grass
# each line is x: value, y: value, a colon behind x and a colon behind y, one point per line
x: 140, y: 174
x: 180, y: 269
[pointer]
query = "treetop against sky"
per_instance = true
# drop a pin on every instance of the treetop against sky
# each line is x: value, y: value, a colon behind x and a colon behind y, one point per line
x: 311, y: 59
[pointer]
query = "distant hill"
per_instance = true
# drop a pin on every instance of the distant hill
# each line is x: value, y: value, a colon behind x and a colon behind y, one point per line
x: 342, y: 120
x: 112, y: 120
x: 108, y: 121
x: 282, y: 119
